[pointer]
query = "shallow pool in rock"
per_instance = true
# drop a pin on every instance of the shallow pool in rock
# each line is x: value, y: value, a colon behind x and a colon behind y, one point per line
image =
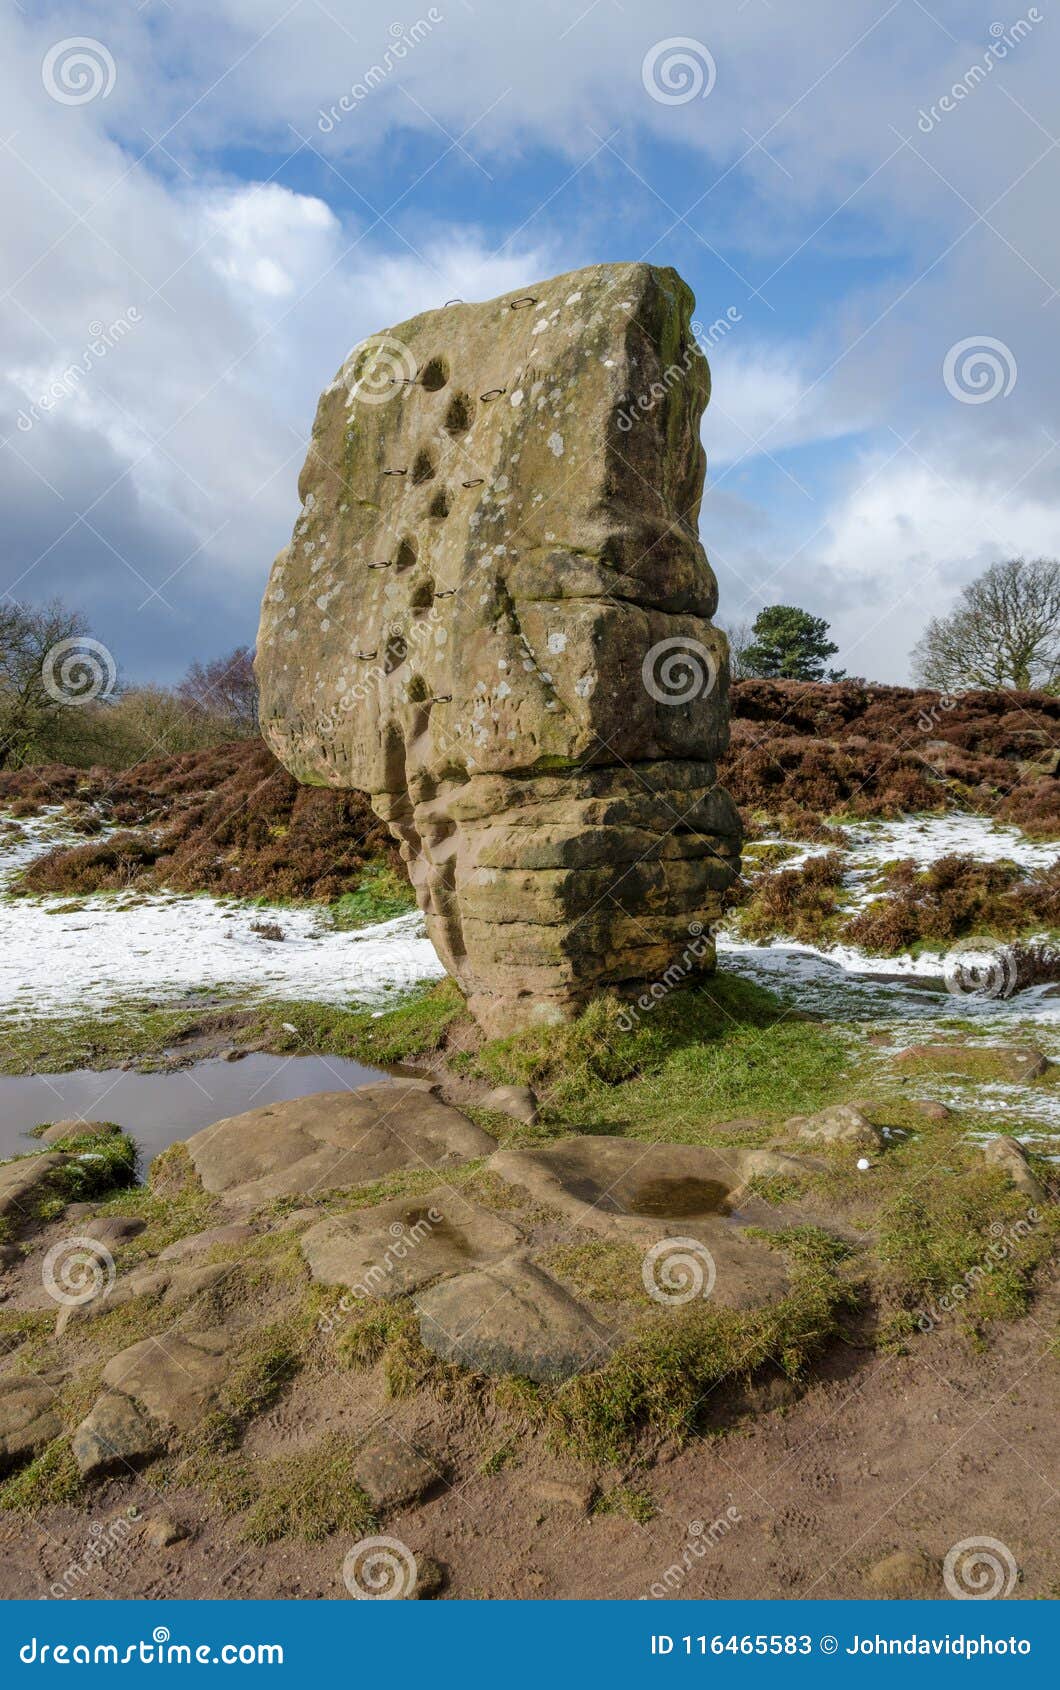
x: 157, y: 1109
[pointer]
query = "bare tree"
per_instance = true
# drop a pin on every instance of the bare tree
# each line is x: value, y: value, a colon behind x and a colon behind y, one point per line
x: 740, y: 638
x: 226, y: 689
x: 44, y: 678
x: 1005, y: 631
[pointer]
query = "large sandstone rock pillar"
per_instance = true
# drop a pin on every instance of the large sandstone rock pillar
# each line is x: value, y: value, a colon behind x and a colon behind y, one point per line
x: 494, y: 618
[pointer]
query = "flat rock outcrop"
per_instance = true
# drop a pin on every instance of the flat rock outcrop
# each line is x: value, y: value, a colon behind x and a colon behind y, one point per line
x: 28, y: 1421
x: 332, y: 1139
x: 153, y: 1391
x: 494, y: 618
x: 393, y: 1248
x: 513, y: 1318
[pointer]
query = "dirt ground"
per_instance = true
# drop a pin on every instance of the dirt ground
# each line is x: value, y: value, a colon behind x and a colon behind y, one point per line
x: 881, y: 1453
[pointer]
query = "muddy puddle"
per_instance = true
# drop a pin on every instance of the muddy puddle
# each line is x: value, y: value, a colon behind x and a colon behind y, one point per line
x: 687, y: 1199
x: 157, y: 1109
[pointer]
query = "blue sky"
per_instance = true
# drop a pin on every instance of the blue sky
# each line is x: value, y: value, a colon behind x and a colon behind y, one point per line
x: 867, y: 187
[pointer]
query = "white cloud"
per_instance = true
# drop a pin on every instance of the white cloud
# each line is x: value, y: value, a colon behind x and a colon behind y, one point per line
x: 189, y: 433
x: 764, y: 398
x: 264, y: 237
x: 170, y: 461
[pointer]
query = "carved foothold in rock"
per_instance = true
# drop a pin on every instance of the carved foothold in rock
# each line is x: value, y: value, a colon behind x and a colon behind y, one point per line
x: 332, y: 1139
x: 650, y: 1194
x: 494, y: 618
x: 565, y: 1493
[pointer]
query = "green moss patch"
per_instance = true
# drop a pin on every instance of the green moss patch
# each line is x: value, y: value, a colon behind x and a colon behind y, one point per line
x: 381, y: 895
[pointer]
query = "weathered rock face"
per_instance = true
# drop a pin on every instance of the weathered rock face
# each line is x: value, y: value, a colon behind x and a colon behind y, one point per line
x: 493, y: 617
